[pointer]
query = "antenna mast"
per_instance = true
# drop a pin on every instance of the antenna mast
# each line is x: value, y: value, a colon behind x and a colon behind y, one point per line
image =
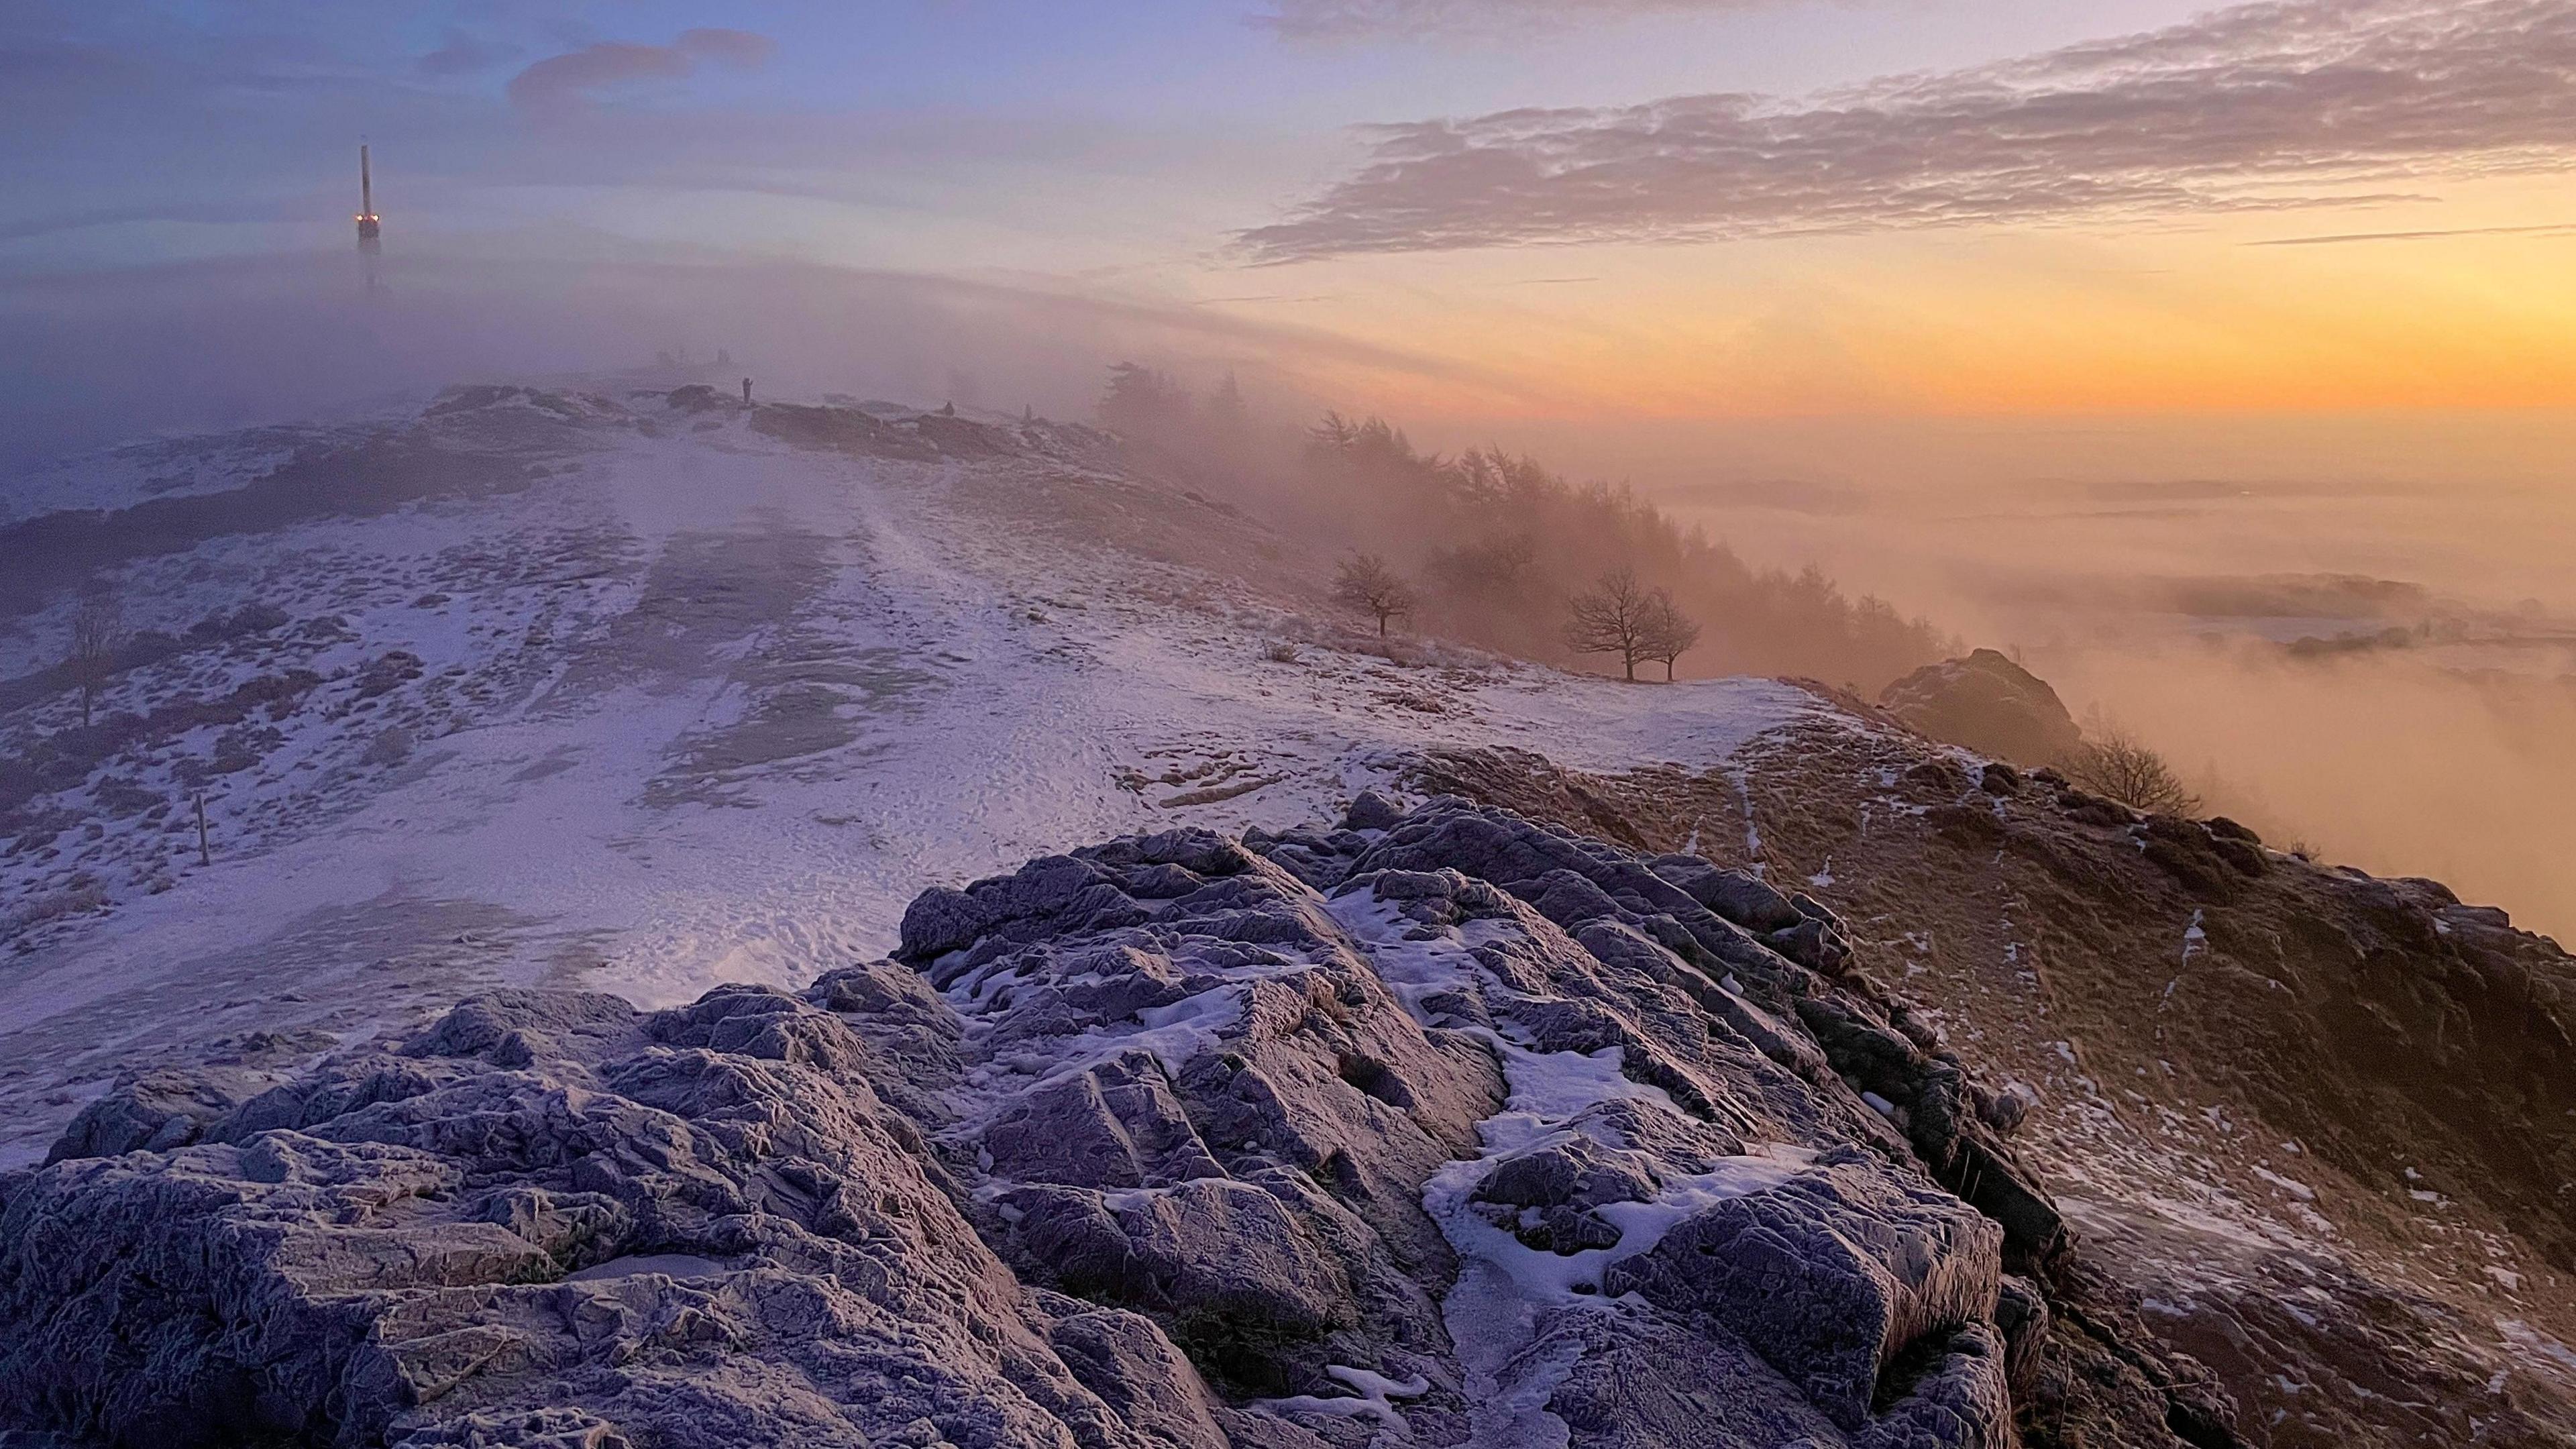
x: 367, y: 225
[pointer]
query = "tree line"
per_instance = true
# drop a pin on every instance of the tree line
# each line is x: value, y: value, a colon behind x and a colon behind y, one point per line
x: 1495, y: 549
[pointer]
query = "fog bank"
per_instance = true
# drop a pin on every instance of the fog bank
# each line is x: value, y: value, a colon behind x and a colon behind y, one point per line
x: 97, y: 359
x: 2382, y: 667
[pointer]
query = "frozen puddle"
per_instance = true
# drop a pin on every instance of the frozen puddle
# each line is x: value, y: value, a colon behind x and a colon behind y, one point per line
x: 1498, y: 1312
x: 668, y: 1265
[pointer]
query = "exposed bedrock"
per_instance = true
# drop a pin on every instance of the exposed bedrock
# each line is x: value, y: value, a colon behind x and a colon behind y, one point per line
x: 1990, y: 704
x: 1440, y: 1126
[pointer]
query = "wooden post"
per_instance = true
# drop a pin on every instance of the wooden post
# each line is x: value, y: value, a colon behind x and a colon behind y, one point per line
x: 204, y: 855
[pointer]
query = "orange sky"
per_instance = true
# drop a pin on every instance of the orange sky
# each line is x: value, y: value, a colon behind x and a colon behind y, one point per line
x: 2028, y: 321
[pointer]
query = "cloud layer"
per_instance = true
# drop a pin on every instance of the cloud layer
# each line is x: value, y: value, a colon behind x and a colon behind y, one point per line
x: 561, y: 81
x: 1361, y: 19
x: 2261, y: 106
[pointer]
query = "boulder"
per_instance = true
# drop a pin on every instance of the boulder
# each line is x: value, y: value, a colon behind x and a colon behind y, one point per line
x: 1987, y: 703
x: 1828, y: 1276
x: 698, y: 1229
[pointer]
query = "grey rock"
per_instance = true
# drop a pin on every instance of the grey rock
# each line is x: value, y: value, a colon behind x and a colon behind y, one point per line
x: 409, y: 1271
x: 1962, y: 1396
x: 1989, y: 704
x: 1740, y: 898
x: 1828, y: 1276
x: 160, y: 1110
x: 1220, y: 1255
x: 1134, y: 1369
x: 1551, y: 1192
x: 1112, y: 1125
x: 1371, y: 811
x: 1172, y: 1141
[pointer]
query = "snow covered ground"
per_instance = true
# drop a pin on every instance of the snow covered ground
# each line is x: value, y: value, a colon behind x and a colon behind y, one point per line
x: 696, y: 704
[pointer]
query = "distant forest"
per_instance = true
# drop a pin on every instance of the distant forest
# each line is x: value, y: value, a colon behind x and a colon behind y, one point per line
x: 1496, y: 545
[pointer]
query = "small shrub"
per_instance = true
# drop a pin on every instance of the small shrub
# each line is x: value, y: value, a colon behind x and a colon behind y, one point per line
x: 388, y: 672
x: 391, y: 746
x: 120, y: 796
x: 2115, y: 766
x: 76, y: 900
x: 239, y: 748
x: 1280, y: 651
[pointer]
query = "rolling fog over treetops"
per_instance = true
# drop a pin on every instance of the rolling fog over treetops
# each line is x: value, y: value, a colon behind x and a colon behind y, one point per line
x: 2379, y: 669
x: 2123, y: 338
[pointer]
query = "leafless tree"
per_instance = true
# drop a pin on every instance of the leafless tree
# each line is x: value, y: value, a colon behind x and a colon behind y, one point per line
x: 98, y: 629
x: 1615, y: 616
x: 1367, y: 584
x: 2114, y: 765
x: 1669, y: 632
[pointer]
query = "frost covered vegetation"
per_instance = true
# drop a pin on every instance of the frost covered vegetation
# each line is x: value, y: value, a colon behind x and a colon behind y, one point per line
x: 1496, y: 546
x: 1308, y: 1135
x: 646, y: 688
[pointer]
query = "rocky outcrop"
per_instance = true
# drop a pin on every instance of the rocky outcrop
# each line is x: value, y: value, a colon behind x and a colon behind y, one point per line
x: 1989, y: 704
x: 161, y: 1110
x: 1439, y: 1124
x: 2311, y: 1126
x: 548, y: 1220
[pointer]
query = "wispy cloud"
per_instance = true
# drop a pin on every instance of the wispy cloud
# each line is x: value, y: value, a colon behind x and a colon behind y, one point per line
x: 562, y: 81
x: 2339, y: 238
x: 1365, y: 19
x: 2298, y: 103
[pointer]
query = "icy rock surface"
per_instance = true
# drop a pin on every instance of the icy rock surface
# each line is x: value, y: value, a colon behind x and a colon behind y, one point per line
x: 1439, y: 1126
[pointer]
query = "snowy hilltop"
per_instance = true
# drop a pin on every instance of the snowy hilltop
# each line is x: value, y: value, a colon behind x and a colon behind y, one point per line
x: 837, y: 924
x: 648, y: 694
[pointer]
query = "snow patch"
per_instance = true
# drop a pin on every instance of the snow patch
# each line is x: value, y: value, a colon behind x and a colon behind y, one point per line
x: 1498, y: 1311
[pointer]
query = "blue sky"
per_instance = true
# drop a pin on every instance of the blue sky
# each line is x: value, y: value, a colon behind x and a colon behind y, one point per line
x: 1493, y: 217
x: 954, y: 134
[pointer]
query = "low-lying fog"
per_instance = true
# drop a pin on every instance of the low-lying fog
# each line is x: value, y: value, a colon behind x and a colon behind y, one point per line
x: 2358, y: 634
x: 2378, y: 662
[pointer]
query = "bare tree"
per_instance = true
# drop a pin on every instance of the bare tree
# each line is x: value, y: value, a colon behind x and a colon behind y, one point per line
x: 1367, y: 584
x: 2114, y: 765
x: 98, y: 628
x: 1669, y: 632
x: 1613, y: 617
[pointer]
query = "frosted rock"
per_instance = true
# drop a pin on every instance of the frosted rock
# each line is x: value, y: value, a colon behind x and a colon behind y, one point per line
x: 1445, y: 1125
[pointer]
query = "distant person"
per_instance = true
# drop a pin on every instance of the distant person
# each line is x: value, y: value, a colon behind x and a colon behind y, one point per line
x: 746, y: 389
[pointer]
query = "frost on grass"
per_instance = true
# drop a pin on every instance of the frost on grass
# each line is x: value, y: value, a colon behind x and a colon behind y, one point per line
x: 691, y: 706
